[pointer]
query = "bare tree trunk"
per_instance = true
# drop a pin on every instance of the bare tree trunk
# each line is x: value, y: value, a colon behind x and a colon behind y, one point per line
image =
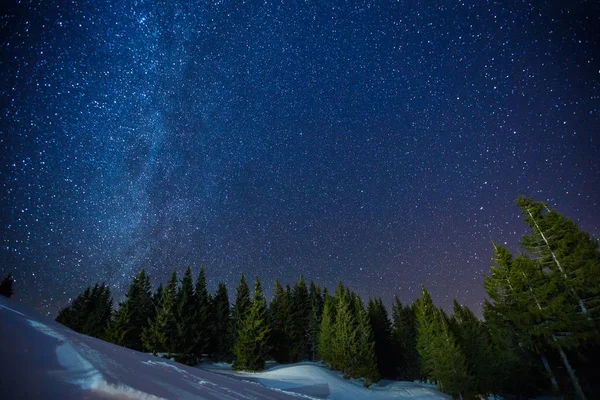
x: 574, y: 379
x: 549, y: 371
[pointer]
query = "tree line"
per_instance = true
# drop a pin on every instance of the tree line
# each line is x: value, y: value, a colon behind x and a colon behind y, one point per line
x: 539, y: 333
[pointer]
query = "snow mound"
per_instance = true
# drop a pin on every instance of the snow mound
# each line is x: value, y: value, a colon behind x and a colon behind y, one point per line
x: 312, y: 380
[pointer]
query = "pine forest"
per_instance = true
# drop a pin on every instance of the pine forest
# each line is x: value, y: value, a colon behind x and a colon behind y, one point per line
x: 538, y: 335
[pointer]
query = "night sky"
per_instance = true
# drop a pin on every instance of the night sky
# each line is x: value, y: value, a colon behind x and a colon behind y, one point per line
x: 381, y: 143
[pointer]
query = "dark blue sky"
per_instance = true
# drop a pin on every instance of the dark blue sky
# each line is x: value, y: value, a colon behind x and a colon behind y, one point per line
x: 380, y: 143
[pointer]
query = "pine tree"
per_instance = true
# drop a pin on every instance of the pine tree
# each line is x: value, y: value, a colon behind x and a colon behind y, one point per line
x: 571, y: 258
x: 251, y: 348
x: 90, y: 312
x: 570, y: 254
x: 240, y: 307
x: 160, y: 336
x: 157, y: 297
x: 441, y: 357
x: 450, y: 364
x: 74, y: 315
x: 404, y: 337
x: 382, y: 327
x: 425, y: 313
x: 7, y: 286
x: 133, y: 314
x: 521, y: 304
x: 344, y: 332
x: 314, y: 324
x: 221, y: 339
x: 364, y: 360
x: 205, y: 320
x: 475, y: 344
x: 326, y: 333
x: 187, y: 320
x: 100, y: 311
x: 280, y: 317
x: 300, y: 312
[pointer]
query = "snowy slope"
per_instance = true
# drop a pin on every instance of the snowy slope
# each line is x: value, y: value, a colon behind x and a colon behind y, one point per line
x: 314, y: 381
x: 41, y: 359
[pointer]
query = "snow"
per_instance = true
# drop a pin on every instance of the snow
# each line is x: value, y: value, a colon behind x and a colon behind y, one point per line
x: 314, y: 381
x: 43, y: 359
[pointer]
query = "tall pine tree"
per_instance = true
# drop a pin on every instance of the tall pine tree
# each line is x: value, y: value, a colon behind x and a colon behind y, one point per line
x: 133, y: 314
x: 160, y: 336
x: 326, y: 332
x: 205, y: 320
x: 90, y: 312
x: 441, y: 358
x: 404, y: 338
x: 251, y: 346
x: 300, y: 311
x: 240, y: 307
x: 364, y: 362
x: 314, y: 323
x: 221, y: 339
x: 382, y: 330
x: 187, y: 320
x: 474, y: 341
x: 344, y: 332
x: 280, y: 317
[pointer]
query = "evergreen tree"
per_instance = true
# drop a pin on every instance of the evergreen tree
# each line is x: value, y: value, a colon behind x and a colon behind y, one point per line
x: 300, y: 312
x: 90, y: 312
x: 326, y: 332
x: 74, y: 315
x: 6, y: 286
x: 314, y: 324
x: 205, y: 320
x: 100, y: 311
x: 404, y: 337
x: 382, y: 327
x: 187, y: 323
x: 475, y: 344
x: 441, y: 358
x: 344, y: 332
x: 572, y: 257
x: 538, y: 308
x: 425, y: 313
x: 251, y: 348
x: 133, y: 314
x: 240, y: 307
x: 157, y: 297
x: 280, y: 318
x: 364, y: 362
x: 451, y: 368
x: 221, y: 340
x: 160, y: 336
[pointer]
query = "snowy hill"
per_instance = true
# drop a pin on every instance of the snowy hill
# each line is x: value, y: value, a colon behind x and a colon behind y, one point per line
x: 44, y: 359
x: 315, y: 381
x: 41, y: 359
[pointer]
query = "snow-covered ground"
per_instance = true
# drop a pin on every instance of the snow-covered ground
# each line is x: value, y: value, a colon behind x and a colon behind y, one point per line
x: 312, y: 380
x: 41, y: 359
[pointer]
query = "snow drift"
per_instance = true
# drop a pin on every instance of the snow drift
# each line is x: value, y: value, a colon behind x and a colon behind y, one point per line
x: 312, y: 380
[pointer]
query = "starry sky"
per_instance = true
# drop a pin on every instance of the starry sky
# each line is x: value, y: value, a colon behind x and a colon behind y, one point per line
x: 381, y: 143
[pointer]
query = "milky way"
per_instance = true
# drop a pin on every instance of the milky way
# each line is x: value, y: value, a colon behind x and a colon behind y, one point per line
x: 379, y: 143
